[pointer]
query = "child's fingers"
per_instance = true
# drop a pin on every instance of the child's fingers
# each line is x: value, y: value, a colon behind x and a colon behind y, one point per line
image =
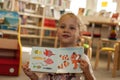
x: 26, y: 70
x: 25, y: 65
x: 83, y: 64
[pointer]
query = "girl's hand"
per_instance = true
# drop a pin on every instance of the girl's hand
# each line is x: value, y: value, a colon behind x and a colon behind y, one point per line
x: 28, y: 72
x: 84, y: 65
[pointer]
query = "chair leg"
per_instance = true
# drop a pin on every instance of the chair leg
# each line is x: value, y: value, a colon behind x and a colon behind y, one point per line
x: 89, y: 53
x: 109, y: 59
x: 115, y: 62
x: 118, y: 65
x: 97, y: 59
x: 114, y: 68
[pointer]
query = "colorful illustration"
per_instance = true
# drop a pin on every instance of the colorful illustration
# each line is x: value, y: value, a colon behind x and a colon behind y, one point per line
x: 49, y: 61
x: 63, y: 65
x: 9, y: 20
x: 48, y: 53
x: 38, y: 52
x: 64, y: 57
x: 65, y: 62
x: 56, y: 60
x: 38, y: 58
x: 74, y: 58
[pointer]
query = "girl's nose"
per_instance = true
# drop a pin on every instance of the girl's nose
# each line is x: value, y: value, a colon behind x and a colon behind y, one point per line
x: 66, y: 29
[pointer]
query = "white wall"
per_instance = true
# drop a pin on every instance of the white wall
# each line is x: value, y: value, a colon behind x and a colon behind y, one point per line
x: 91, y: 4
x: 76, y: 4
x: 118, y: 6
x: 88, y: 4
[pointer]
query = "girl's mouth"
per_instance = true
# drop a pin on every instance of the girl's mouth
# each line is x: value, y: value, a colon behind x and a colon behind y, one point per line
x: 66, y: 36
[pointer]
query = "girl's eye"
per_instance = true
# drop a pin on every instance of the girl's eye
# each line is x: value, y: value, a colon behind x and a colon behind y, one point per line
x: 72, y: 28
x: 62, y: 26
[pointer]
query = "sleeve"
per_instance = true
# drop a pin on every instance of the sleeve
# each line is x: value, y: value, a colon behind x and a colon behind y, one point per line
x: 85, y: 57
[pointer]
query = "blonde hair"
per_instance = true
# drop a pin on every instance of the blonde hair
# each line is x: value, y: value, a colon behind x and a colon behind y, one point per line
x: 71, y: 15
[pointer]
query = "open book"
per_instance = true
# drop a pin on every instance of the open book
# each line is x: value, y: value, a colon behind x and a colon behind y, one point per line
x: 56, y: 60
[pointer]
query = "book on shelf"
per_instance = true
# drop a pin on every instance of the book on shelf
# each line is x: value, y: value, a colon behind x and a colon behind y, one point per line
x: 9, y: 20
x: 65, y: 4
x: 57, y: 14
x: 7, y: 5
x: 48, y: 12
x: 47, y: 33
x: 50, y: 23
x: 48, y: 2
x: 57, y: 2
x: 50, y: 33
x: 56, y: 60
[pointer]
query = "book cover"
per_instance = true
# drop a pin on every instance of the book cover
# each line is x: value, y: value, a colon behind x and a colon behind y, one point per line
x: 56, y: 60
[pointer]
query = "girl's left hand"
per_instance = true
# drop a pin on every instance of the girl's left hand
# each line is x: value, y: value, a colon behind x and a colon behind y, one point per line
x: 84, y: 65
x: 86, y: 71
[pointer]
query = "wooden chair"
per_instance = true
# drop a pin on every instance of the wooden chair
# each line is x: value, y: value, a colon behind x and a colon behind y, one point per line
x: 109, y: 51
x: 86, y: 42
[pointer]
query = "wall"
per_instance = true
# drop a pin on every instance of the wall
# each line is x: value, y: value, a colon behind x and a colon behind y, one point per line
x: 118, y: 6
x: 92, y: 4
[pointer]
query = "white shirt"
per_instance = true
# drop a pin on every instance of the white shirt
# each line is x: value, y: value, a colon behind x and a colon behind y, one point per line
x: 73, y: 76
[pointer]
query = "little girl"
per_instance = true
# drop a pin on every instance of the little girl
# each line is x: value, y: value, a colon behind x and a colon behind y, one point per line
x: 68, y: 32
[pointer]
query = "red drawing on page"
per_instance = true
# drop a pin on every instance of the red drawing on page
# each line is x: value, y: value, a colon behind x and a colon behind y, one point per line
x: 48, y: 53
x: 65, y: 62
x: 74, y: 58
x: 48, y: 61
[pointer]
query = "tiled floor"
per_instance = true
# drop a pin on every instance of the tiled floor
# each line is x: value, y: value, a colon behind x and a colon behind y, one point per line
x: 101, y: 73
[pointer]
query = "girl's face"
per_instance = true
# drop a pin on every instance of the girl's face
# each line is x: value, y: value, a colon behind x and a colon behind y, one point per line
x: 68, y: 31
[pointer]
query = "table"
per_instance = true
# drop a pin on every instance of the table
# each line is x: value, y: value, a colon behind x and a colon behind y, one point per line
x: 98, y: 20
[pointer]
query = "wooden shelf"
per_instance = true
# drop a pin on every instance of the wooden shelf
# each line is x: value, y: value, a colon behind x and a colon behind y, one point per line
x: 10, y: 32
x: 29, y: 36
x: 28, y: 1
x: 49, y: 28
x: 51, y: 18
x: 30, y: 26
x: 49, y: 37
x: 32, y: 15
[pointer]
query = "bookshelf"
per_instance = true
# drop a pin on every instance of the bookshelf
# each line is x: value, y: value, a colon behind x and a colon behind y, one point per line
x: 39, y: 20
x: 10, y: 44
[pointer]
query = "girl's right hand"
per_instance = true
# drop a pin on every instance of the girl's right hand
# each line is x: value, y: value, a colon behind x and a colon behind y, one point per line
x: 28, y: 72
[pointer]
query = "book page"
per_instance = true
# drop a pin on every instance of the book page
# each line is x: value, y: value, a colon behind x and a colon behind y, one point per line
x: 56, y: 60
x: 68, y: 60
x: 43, y: 59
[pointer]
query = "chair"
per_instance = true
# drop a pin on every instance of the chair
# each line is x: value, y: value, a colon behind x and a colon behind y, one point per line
x: 110, y: 51
x: 86, y: 42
